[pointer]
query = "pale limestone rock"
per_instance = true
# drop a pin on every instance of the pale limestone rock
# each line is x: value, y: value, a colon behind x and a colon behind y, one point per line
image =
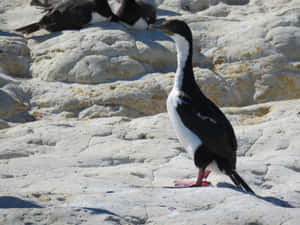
x: 145, y: 96
x: 117, y: 169
x: 14, y: 100
x: 251, y: 55
x: 14, y: 55
x: 97, y: 111
x: 8, y: 5
x: 10, y: 105
x: 5, y: 79
x: 102, y: 55
x: 3, y: 124
x: 17, y: 13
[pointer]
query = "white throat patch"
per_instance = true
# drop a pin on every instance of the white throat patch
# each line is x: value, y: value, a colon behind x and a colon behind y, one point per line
x: 188, y: 139
x: 182, y: 46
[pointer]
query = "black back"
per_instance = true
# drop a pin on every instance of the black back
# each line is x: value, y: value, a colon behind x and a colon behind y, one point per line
x: 67, y: 14
x: 211, y: 126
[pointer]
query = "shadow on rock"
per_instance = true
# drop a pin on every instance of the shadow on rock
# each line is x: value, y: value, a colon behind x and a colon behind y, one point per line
x: 45, y: 37
x: 9, y: 202
x: 270, y: 199
x: 276, y: 201
x: 9, y: 34
x: 164, y: 12
x: 100, y: 211
x: 236, y: 2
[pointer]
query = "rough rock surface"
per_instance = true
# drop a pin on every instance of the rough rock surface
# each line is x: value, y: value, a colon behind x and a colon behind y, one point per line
x: 85, y: 138
x: 120, y: 171
x: 250, y: 47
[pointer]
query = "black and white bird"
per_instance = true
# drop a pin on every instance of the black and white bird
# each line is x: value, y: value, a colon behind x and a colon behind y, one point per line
x: 75, y: 14
x: 200, y: 125
x: 69, y: 14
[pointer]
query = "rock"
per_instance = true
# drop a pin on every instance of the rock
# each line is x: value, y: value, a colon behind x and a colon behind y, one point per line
x: 253, y: 56
x: 3, y: 124
x: 103, y: 164
x: 106, y: 54
x: 14, y: 100
x: 97, y: 111
x: 9, y: 105
x: 195, y: 6
x: 26, y: 14
x: 103, y: 55
x: 10, y: 5
x: 14, y: 55
x: 5, y: 79
x: 145, y: 96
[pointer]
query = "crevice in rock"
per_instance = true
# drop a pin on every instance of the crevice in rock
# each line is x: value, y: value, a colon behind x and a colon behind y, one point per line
x: 40, y: 141
x: 293, y: 168
x: 236, y: 2
x: 5, y: 156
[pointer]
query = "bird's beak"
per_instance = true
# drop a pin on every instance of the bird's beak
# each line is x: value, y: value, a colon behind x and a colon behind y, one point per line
x: 155, y: 27
x: 160, y: 25
x: 157, y: 24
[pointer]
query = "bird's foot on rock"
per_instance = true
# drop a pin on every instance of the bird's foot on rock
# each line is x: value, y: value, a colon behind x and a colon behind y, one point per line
x: 179, y: 183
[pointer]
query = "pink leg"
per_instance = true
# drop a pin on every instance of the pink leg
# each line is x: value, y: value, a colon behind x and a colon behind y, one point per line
x: 201, y: 180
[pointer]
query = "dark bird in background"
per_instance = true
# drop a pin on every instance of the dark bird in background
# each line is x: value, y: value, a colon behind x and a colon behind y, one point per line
x: 70, y: 14
x: 75, y: 14
x: 200, y: 125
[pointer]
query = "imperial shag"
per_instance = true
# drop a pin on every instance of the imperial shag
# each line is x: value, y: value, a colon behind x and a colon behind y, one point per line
x: 200, y: 125
x: 75, y: 14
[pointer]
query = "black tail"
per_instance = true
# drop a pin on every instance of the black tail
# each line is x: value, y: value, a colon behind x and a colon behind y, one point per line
x: 239, y: 182
x: 29, y: 28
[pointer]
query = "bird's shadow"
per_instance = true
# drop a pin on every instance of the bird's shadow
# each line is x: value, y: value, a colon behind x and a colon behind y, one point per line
x: 103, y: 25
x: 45, y: 37
x: 269, y: 199
x: 96, y: 211
x: 9, y: 34
x: 10, y: 202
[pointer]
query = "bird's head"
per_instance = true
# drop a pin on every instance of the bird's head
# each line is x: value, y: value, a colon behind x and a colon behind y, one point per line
x: 176, y: 29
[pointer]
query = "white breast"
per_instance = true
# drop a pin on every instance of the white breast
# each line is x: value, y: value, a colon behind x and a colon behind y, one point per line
x: 188, y: 139
x: 96, y: 18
